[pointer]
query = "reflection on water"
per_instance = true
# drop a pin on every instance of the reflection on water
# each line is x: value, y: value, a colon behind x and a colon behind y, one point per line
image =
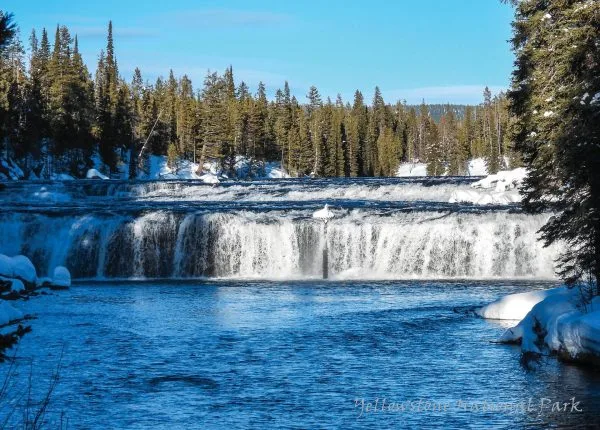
x: 280, y: 355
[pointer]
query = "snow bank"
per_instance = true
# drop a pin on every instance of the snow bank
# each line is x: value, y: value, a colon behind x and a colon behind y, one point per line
x: 515, y: 306
x: 62, y: 277
x: 211, y: 172
x: 24, y: 269
x: 275, y: 171
x: 210, y: 178
x: 8, y: 313
x: 411, y: 169
x: 6, y: 266
x: 557, y: 322
x: 477, y: 167
x: 95, y: 174
x: 498, y: 189
x: 502, y: 181
x: 18, y: 267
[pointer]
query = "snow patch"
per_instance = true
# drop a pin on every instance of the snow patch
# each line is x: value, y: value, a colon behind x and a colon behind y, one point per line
x: 17, y: 286
x: 23, y: 268
x: 557, y: 322
x: 502, y: 181
x: 499, y: 189
x: 209, y: 178
x: 95, y: 174
x: 515, y: 306
x: 8, y: 313
x: 477, y: 167
x: 6, y: 266
x: 411, y: 169
x: 324, y: 214
x: 61, y: 277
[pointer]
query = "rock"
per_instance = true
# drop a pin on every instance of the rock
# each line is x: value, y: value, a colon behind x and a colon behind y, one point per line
x: 62, y: 277
x: 94, y: 174
x: 24, y: 269
x: 6, y: 266
x: 17, y: 286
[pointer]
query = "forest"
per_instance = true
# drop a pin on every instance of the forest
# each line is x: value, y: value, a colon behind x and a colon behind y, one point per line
x: 56, y: 117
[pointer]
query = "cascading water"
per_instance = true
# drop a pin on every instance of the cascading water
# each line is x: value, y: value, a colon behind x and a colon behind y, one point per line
x: 106, y: 230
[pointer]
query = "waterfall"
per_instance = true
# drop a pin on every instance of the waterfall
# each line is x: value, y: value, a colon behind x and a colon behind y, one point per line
x: 363, y: 244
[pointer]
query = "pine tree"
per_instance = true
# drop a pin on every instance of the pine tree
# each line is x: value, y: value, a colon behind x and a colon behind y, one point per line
x: 434, y: 155
x: 8, y: 29
x: 492, y: 155
x: 455, y: 151
x: 358, y: 135
x: 259, y: 142
x: 555, y: 100
x: 214, y: 114
x: 12, y: 89
x: 316, y: 125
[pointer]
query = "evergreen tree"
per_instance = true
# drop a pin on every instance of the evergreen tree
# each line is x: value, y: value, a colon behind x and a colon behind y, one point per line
x: 214, y: 114
x: 555, y: 100
x: 316, y: 126
x: 359, y: 134
x: 53, y: 118
x: 8, y: 29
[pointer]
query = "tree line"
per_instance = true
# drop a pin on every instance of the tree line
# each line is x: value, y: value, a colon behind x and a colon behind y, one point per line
x: 55, y: 116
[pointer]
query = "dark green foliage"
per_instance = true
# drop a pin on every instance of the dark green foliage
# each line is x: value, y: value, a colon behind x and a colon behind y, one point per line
x: 8, y: 29
x: 555, y: 101
x: 54, y: 118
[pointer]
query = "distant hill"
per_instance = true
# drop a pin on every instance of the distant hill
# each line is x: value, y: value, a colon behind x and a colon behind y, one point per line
x: 437, y: 110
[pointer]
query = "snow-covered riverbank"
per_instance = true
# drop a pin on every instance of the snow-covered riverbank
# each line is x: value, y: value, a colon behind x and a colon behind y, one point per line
x: 557, y: 321
x: 18, y: 281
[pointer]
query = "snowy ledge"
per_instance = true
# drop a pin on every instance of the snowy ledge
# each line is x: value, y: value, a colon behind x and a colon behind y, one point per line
x: 19, y: 279
x: 554, y: 321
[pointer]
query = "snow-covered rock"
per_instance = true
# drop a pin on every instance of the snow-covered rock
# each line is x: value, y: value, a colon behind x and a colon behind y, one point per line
x: 499, y: 189
x: 8, y: 313
x: 17, y: 286
x: 24, y: 269
x: 515, y: 306
x: 95, y: 174
x: 6, y: 266
x: 411, y: 169
x: 18, y: 267
x: 61, y: 277
x: 324, y: 214
x: 209, y: 178
x: 502, y: 181
x: 558, y: 323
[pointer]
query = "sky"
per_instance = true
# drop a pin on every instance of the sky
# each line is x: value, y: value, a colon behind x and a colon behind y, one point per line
x: 438, y: 50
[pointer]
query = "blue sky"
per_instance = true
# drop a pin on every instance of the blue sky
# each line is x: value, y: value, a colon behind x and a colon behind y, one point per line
x: 440, y: 50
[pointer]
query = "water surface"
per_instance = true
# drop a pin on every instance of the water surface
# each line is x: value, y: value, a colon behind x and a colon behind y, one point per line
x: 245, y: 354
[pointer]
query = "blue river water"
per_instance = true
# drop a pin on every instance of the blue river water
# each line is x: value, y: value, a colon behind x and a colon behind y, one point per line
x: 256, y: 354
